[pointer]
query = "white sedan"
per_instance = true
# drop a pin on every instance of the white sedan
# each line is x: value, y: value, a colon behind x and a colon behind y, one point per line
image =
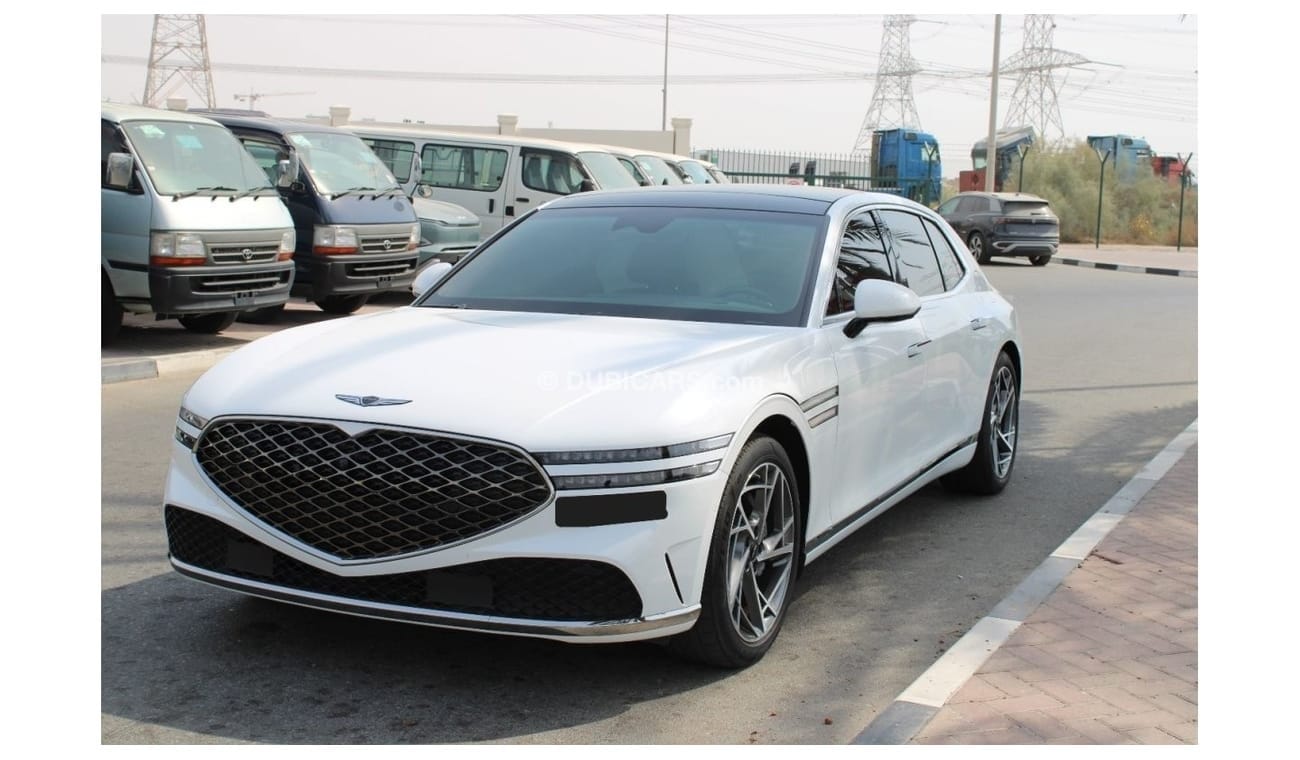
x: 628, y: 415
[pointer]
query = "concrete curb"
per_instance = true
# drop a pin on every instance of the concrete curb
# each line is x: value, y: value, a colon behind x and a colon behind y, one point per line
x: 157, y: 366
x: 909, y: 713
x: 1125, y: 267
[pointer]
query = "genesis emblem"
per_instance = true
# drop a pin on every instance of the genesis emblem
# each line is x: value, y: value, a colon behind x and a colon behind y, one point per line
x: 371, y: 400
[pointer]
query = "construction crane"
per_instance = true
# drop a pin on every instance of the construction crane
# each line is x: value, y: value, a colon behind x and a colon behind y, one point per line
x: 252, y: 97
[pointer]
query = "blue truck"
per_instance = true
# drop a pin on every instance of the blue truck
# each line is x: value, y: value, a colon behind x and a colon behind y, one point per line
x: 906, y: 161
x: 1130, y: 157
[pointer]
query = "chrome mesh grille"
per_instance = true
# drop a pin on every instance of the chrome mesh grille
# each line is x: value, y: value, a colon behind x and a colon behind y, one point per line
x: 382, y: 493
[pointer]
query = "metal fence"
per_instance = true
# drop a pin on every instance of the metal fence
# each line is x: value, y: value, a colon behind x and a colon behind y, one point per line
x: 847, y: 170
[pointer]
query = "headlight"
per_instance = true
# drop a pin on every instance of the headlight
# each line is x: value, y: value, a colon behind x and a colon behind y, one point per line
x: 193, y: 419
x: 169, y: 249
x: 328, y: 240
x: 288, y: 241
x: 414, y: 241
x: 608, y: 456
x: 633, y: 479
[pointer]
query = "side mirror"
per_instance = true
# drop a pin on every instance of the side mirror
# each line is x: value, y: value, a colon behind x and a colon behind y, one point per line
x: 424, y: 191
x: 587, y: 186
x: 881, y: 301
x: 287, y: 170
x: 429, y: 276
x: 417, y: 167
x: 120, y: 168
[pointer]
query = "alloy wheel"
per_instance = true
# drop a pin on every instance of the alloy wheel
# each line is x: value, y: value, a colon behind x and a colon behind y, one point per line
x: 1003, y: 414
x: 760, y: 552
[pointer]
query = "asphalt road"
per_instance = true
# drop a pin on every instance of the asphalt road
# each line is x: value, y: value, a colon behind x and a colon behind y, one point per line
x: 1110, y: 378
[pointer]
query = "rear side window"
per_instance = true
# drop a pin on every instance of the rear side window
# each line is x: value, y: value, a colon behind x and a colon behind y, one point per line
x: 918, y: 268
x: 949, y: 264
x: 462, y: 167
x: 396, y: 156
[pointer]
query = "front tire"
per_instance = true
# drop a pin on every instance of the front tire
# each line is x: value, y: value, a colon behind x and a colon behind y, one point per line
x: 342, y: 304
x: 990, y: 470
x: 753, y: 561
x: 979, y: 248
x: 110, y: 323
x: 208, y: 324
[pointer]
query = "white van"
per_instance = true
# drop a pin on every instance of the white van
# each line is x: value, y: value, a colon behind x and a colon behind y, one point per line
x: 497, y: 177
x: 190, y: 226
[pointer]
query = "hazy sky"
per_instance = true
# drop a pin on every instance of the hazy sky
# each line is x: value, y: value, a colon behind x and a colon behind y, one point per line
x: 1143, y: 82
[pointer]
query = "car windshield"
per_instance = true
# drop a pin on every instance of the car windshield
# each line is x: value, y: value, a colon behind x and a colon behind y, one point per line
x: 658, y: 170
x: 698, y: 174
x: 188, y: 158
x: 339, y: 163
x: 607, y: 171
x: 695, y: 264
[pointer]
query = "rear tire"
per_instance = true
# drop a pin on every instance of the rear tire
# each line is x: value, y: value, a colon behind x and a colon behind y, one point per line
x: 990, y: 470
x: 208, y: 324
x: 979, y: 248
x: 342, y: 304
x: 1040, y: 260
x: 753, y: 561
x: 263, y: 316
x: 111, y: 313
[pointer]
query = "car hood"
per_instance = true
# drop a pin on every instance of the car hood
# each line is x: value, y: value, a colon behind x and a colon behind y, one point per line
x: 541, y: 381
x: 442, y: 211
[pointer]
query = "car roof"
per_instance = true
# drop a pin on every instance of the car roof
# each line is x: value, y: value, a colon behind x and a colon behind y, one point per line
x: 269, y: 123
x: 120, y: 112
x: 426, y: 131
x: 1005, y: 196
x: 800, y: 199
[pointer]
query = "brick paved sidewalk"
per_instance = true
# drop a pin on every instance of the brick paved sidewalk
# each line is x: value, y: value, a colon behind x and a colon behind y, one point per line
x: 1111, y: 656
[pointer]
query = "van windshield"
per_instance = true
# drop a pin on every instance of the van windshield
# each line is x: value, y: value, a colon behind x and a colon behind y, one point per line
x: 698, y: 174
x: 607, y: 171
x: 658, y: 169
x: 188, y: 158
x: 339, y: 163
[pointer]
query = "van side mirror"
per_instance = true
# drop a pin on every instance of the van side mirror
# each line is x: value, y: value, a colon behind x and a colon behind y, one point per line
x: 587, y: 185
x: 429, y: 276
x: 120, y: 168
x: 287, y: 170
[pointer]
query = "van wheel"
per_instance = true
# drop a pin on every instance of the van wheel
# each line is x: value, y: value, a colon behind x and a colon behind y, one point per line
x: 111, y: 319
x: 208, y: 324
x: 342, y: 304
x: 263, y: 316
x: 753, y: 561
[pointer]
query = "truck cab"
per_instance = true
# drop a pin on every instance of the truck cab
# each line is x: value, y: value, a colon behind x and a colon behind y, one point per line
x: 190, y: 227
x: 906, y: 161
x: 357, y: 232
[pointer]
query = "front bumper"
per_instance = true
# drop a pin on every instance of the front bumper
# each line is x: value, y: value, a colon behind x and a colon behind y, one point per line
x: 215, y: 288
x: 634, y: 580
x: 354, y: 273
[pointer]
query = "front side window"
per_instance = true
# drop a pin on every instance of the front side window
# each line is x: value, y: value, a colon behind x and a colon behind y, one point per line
x: 693, y: 264
x: 110, y: 141
x: 918, y: 268
x: 267, y: 156
x: 556, y: 173
x: 696, y: 171
x: 461, y: 167
x: 949, y: 206
x: 186, y: 158
x: 341, y: 163
x: 658, y: 170
x: 607, y: 172
x: 395, y: 154
x: 632, y: 169
x: 862, y: 257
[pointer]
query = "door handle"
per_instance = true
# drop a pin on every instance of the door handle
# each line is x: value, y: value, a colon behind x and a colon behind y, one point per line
x: 914, y: 350
x: 492, y: 204
x: 979, y: 323
x: 521, y: 200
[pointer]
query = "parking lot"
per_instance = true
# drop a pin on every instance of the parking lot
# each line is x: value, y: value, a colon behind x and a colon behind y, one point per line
x: 1111, y: 376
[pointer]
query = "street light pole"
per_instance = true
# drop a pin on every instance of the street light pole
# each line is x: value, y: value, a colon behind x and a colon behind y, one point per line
x: 1101, y: 181
x: 663, y: 121
x: 991, y: 151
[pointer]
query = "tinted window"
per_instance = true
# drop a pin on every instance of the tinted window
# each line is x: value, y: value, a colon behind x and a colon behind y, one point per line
x: 395, y: 155
x: 971, y: 204
x: 556, y: 173
x: 462, y: 167
x: 918, y: 268
x: 1024, y: 207
x: 949, y: 206
x: 696, y: 264
x: 949, y: 264
x: 862, y: 257
x: 266, y: 156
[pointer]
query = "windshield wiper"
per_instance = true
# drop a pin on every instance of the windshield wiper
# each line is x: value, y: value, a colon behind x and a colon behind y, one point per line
x: 342, y: 193
x: 198, y: 190
x: 254, y: 192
